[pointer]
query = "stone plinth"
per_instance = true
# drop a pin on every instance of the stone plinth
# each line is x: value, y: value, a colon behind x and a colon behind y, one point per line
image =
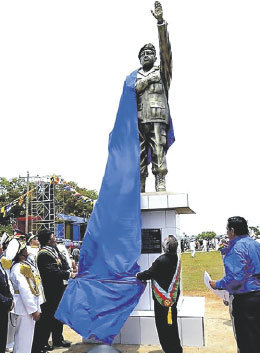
x: 161, y: 211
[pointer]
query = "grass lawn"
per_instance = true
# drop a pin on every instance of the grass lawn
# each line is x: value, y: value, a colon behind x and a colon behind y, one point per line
x: 193, y: 271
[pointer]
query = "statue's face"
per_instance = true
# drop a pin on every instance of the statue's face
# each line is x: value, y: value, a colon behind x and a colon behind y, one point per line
x: 147, y: 59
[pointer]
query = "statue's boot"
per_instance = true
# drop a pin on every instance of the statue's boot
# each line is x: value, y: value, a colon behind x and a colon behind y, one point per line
x: 160, y: 184
x: 143, y: 184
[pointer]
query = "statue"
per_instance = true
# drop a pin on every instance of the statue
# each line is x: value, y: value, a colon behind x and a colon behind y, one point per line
x: 152, y: 86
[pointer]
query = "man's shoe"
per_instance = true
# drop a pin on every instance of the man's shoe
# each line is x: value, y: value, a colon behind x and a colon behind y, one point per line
x: 62, y: 344
x: 48, y: 347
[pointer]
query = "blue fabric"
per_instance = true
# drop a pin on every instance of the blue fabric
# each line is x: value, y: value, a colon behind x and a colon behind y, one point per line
x: 170, y: 134
x: 100, y: 299
x: 242, y: 265
x: 59, y: 230
x: 76, y: 232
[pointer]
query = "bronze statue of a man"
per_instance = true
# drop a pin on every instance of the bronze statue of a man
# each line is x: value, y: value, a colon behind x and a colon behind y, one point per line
x: 152, y: 86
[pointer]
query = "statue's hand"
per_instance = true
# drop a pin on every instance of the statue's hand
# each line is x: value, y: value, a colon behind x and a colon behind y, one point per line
x: 154, y: 78
x: 142, y: 84
x: 158, y: 12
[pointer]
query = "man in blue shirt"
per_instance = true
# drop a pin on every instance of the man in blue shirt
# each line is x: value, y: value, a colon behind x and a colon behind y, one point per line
x: 242, y: 280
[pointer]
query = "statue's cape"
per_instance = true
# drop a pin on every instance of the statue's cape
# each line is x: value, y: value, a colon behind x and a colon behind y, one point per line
x: 104, y: 293
x: 170, y: 134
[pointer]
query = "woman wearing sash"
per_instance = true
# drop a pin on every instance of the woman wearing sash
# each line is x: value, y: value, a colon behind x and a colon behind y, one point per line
x: 165, y: 276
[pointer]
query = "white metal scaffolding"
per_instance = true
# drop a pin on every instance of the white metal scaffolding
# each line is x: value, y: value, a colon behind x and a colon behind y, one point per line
x: 45, y: 208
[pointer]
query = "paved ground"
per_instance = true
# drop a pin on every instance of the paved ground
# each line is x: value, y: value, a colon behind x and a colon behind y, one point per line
x: 218, y: 334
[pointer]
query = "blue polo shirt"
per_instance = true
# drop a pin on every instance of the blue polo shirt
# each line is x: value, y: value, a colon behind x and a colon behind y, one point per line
x: 242, y: 264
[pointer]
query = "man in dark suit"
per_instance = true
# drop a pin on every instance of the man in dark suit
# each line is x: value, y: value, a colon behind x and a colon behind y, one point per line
x: 53, y: 272
x: 165, y: 276
x: 6, y: 305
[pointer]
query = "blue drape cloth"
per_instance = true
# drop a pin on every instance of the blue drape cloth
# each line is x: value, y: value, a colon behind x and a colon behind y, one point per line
x: 100, y: 299
x: 170, y: 134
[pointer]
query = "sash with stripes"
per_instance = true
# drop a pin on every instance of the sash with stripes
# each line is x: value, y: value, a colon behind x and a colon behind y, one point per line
x: 168, y: 298
x: 51, y: 252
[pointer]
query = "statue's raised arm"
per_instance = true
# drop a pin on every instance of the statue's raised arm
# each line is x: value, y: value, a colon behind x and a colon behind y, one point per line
x: 165, y: 46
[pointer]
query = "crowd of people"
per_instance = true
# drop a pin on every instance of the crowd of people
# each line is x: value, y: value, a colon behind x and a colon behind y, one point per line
x: 34, y: 271
x: 193, y: 245
x: 202, y: 244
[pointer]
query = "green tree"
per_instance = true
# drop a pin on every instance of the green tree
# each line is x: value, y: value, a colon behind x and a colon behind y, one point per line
x: 12, y: 189
x: 207, y: 235
x: 72, y: 204
x: 255, y: 230
x: 6, y: 228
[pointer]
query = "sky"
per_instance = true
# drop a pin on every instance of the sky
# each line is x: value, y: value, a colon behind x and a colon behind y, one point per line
x: 62, y: 68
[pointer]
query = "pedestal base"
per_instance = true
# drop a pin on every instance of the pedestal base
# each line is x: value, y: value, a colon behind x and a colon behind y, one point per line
x: 160, y: 211
x: 140, y: 326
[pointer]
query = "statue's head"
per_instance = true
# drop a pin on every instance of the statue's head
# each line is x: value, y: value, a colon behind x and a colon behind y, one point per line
x: 147, y: 56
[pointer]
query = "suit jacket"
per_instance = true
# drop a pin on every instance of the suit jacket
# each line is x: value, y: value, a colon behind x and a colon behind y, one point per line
x: 161, y: 270
x: 6, y: 297
x: 53, y: 272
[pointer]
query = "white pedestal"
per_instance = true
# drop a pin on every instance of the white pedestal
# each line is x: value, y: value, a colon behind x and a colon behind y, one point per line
x: 161, y: 211
x: 191, y: 312
x: 140, y: 327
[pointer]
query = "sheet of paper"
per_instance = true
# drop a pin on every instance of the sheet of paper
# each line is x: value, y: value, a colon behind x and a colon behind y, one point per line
x: 220, y: 293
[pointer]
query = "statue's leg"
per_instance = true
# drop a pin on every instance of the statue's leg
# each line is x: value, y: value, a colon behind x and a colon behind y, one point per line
x: 143, y: 154
x: 157, y: 144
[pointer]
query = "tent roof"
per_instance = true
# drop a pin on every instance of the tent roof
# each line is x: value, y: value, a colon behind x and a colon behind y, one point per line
x: 69, y: 218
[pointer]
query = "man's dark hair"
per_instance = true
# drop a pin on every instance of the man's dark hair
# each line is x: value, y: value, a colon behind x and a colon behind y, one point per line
x: 239, y: 224
x: 147, y: 46
x: 44, y: 236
